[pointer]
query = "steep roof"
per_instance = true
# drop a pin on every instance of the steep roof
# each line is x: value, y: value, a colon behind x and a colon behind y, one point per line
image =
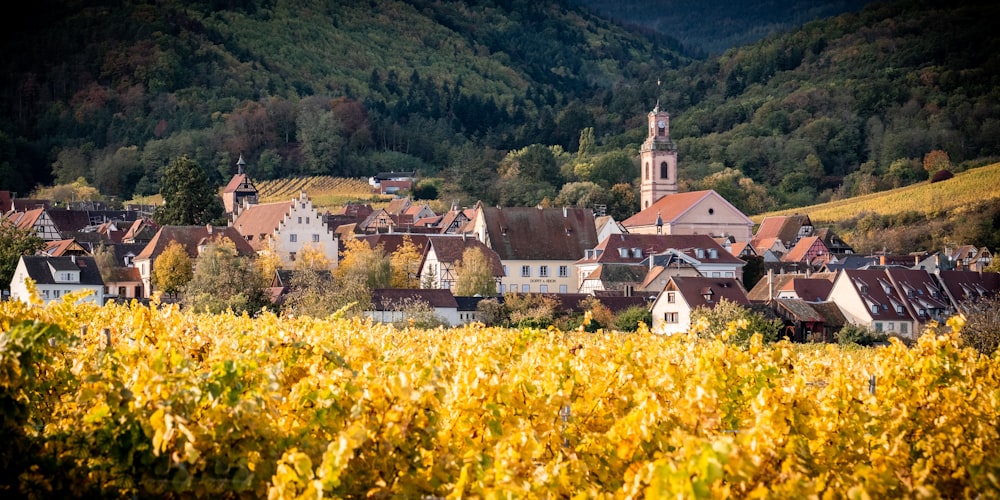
x: 258, y: 221
x: 876, y: 291
x: 962, y: 286
x: 527, y: 233
x: 38, y: 267
x: 191, y: 237
x: 800, y: 251
x: 695, y: 288
x: 450, y: 249
x: 671, y: 207
x: 783, y: 227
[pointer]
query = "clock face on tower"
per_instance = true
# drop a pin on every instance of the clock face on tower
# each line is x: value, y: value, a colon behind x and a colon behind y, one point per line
x: 662, y: 124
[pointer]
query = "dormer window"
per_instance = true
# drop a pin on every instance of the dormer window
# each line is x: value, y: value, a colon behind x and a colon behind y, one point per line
x: 713, y: 253
x: 637, y: 253
x: 623, y: 252
x: 707, y: 294
x: 700, y: 253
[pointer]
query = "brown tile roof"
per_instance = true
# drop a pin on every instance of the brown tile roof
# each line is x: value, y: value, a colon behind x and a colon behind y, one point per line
x: 695, y: 288
x: 26, y: 219
x: 800, y: 252
x: 783, y: 227
x: 388, y: 299
x: 258, y: 221
x: 649, y: 244
x: 63, y: 247
x: 799, y: 310
x: 969, y: 285
x: 875, y: 289
x: 670, y: 208
x: 397, y: 206
x: 191, y: 237
x: 450, y: 249
x: 528, y: 233
x: 235, y: 183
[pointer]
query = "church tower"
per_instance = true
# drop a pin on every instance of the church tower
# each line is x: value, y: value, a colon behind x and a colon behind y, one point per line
x: 658, y: 159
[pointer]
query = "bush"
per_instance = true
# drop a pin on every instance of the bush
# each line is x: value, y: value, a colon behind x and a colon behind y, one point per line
x: 859, y: 335
x: 628, y: 320
x: 740, y: 322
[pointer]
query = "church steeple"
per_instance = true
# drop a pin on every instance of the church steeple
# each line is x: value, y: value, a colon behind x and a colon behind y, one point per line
x: 240, y: 164
x: 658, y: 158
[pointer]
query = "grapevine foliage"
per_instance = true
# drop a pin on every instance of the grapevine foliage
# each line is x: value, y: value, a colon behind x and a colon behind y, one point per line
x: 155, y: 401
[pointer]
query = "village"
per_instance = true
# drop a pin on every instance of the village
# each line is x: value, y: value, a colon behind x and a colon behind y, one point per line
x: 682, y: 251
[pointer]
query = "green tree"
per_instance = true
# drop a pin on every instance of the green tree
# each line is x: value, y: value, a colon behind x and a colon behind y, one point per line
x: 224, y: 280
x: 475, y: 274
x: 15, y: 242
x: 360, y: 270
x: 614, y: 168
x: 629, y: 319
x: 172, y: 270
x: 189, y: 199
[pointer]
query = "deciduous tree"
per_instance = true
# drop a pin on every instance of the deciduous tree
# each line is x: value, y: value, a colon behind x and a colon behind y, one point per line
x: 172, y: 269
x: 405, y: 265
x: 475, y: 274
x: 224, y: 280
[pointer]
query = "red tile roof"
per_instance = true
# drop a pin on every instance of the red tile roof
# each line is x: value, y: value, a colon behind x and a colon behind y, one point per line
x: 259, y: 221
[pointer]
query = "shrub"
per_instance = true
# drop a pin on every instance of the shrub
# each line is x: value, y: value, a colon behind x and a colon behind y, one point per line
x: 628, y: 320
x: 982, y: 325
x: 860, y: 335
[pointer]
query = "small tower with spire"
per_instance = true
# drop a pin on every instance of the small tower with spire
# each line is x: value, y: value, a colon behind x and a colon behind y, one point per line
x: 240, y: 190
x: 658, y: 158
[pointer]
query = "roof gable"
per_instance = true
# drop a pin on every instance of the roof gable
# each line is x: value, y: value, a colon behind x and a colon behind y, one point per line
x: 672, y: 208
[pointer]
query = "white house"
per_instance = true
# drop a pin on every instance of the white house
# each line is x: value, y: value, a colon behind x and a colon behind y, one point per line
x: 391, y: 305
x: 868, y: 298
x: 683, y: 294
x: 287, y: 228
x: 56, y: 277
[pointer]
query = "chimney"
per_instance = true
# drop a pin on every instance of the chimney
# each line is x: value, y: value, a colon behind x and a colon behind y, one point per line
x: 208, y: 227
x: 565, y: 212
x: 770, y: 284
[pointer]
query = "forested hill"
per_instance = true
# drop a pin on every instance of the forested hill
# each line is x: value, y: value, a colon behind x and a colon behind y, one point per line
x: 114, y: 91
x: 419, y: 78
x: 714, y: 26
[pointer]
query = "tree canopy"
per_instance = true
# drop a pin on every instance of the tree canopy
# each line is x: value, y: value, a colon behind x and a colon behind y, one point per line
x: 15, y: 242
x: 189, y: 199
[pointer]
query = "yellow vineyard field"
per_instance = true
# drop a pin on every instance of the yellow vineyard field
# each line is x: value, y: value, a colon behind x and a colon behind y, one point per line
x: 153, y: 401
x: 965, y: 189
x: 324, y: 191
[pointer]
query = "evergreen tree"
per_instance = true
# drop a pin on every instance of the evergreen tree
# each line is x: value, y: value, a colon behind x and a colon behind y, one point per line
x: 189, y: 199
x: 15, y: 242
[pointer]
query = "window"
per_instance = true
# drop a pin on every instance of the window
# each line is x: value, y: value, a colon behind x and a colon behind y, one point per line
x: 715, y: 274
x: 525, y: 288
x: 291, y: 256
x: 647, y: 170
x: 505, y: 273
x: 543, y: 271
x: 525, y: 271
x: 729, y: 274
x: 315, y: 238
x: 503, y: 289
x: 878, y: 326
x: 904, y: 328
x: 663, y: 170
x: 45, y: 294
x: 671, y: 297
x: 300, y: 220
x: 562, y: 289
x: 563, y: 271
x: 891, y: 327
x: 670, y: 317
x: 307, y: 220
x: 293, y: 238
x: 55, y: 293
x: 543, y: 288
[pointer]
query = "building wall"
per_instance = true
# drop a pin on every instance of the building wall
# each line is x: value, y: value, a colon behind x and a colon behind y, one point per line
x: 305, y: 226
x: 663, y: 306
x: 514, y: 281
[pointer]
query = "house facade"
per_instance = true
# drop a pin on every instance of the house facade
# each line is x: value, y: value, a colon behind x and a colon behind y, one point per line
x: 56, y: 277
x: 537, y: 246
x: 287, y: 228
x: 683, y: 294
x: 868, y: 298
x: 442, y: 254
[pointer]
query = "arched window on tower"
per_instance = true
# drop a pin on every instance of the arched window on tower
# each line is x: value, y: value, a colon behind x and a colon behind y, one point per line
x: 663, y: 170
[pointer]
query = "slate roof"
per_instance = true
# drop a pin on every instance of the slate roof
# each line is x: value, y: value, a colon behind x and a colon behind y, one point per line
x: 647, y: 244
x: 528, y: 233
x: 38, y: 268
x: 875, y: 289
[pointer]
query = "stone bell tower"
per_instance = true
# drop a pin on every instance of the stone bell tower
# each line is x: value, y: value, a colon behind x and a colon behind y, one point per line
x: 658, y: 159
